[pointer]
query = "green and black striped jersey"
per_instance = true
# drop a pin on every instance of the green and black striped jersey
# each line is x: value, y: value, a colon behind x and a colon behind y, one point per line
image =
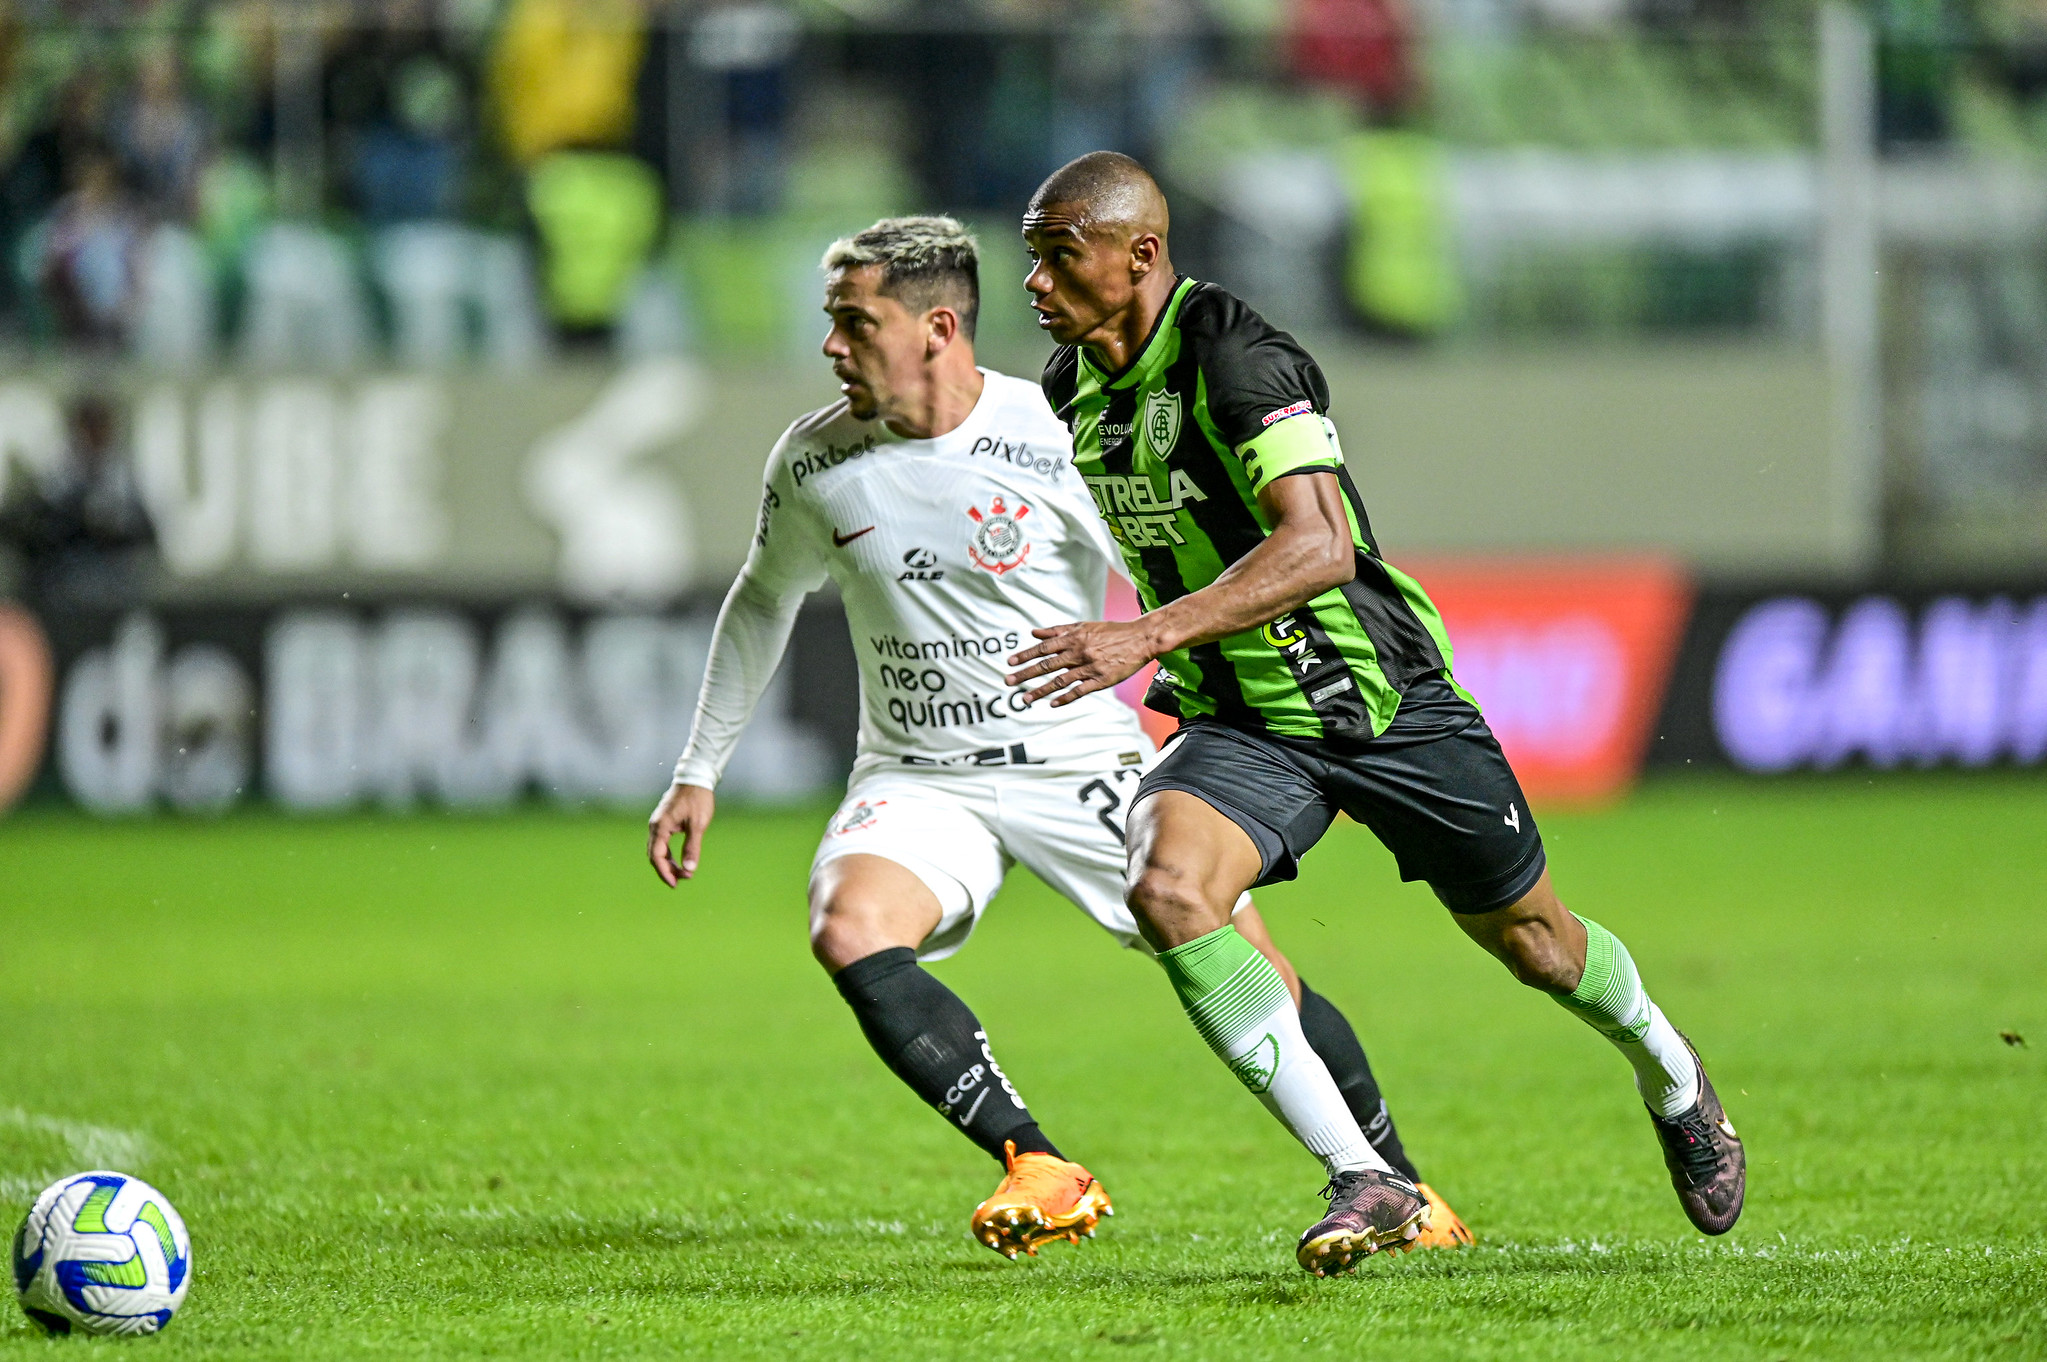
x: 1176, y: 448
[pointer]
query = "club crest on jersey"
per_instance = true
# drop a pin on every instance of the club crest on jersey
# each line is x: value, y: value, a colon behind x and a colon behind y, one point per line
x: 998, y: 544
x: 859, y: 816
x: 1161, y: 421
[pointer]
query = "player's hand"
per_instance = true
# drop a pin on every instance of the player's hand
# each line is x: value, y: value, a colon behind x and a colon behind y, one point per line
x: 1081, y: 659
x: 685, y: 809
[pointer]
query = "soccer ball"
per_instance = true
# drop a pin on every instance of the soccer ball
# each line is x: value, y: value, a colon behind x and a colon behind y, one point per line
x: 103, y: 1253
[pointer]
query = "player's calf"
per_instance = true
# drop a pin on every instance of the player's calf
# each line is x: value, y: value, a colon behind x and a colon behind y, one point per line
x: 1596, y: 981
x: 1541, y: 942
x: 1591, y: 975
x: 935, y: 1044
x: 1241, y: 1007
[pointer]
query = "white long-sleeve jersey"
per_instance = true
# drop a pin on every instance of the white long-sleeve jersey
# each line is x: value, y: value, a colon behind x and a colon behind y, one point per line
x: 947, y: 553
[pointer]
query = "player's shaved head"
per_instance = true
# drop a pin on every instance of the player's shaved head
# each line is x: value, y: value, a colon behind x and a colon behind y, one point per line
x: 1101, y: 193
x: 1096, y: 231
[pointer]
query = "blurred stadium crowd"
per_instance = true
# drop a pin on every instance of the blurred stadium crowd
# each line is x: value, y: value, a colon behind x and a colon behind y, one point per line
x: 314, y: 181
x: 383, y: 383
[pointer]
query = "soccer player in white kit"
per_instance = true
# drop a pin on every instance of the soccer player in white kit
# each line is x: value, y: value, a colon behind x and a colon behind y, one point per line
x: 943, y: 500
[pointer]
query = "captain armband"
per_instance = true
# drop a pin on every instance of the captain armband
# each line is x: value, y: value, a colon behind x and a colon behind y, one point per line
x: 1301, y: 442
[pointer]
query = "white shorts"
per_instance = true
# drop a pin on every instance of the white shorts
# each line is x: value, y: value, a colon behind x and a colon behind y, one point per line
x: 960, y: 831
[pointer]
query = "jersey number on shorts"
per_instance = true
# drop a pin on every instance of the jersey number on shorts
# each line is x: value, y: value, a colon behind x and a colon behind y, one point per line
x: 1110, y: 802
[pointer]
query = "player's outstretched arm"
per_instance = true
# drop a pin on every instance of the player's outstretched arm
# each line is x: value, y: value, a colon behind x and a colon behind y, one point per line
x: 1308, y: 552
x: 685, y: 811
x: 746, y: 646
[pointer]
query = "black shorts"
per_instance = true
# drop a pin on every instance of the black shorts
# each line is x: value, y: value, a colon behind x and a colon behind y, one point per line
x: 1447, y: 807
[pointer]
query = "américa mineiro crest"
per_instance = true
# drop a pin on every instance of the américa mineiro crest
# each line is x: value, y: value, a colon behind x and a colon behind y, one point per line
x: 1160, y: 422
x: 999, y: 543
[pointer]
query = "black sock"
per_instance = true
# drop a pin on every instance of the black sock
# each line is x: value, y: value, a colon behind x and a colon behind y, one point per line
x: 922, y: 1030
x: 1330, y: 1036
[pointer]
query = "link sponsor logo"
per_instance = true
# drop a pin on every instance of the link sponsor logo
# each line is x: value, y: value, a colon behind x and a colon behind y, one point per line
x: 1286, y: 636
x: 1136, y: 515
x: 771, y: 502
x: 1291, y: 641
x: 1296, y: 409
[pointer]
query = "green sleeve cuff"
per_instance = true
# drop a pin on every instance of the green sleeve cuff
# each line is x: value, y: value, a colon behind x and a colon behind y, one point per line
x: 1288, y: 447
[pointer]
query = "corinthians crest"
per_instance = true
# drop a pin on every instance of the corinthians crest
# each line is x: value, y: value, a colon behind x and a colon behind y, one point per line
x: 859, y: 816
x: 999, y: 542
x: 1161, y: 422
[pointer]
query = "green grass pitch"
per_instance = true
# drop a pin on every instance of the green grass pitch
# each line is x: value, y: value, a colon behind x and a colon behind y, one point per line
x: 443, y: 1086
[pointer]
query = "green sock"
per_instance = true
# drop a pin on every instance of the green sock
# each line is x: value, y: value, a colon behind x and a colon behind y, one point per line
x: 1609, y: 995
x: 1610, y: 999
x: 1240, y: 1005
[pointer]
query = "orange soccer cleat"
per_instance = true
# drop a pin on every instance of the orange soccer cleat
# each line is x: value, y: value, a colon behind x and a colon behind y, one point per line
x: 1445, y: 1229
x: 1041, y: 1198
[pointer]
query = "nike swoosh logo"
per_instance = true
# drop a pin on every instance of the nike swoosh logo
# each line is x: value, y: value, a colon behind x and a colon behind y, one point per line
x: 840, y: 541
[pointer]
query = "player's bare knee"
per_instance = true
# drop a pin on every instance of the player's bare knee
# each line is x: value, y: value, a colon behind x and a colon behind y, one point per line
x: 1536, y: 958
x: 841, y: 931
x: 826, y: 942
x: 1167, y: 898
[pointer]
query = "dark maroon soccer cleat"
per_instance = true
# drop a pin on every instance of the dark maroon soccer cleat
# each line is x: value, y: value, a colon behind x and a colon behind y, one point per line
x: 1368, y: 1211
x: 1707, y: 1165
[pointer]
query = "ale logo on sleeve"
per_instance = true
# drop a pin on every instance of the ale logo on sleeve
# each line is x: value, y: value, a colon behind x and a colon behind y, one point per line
x: 1161, y: 423
x: 999, y: 544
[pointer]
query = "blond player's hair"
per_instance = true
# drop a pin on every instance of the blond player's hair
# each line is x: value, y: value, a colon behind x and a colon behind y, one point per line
x: 925, y: 262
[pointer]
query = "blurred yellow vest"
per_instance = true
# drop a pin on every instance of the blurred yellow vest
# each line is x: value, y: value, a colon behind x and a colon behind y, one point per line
x: 562, y: 74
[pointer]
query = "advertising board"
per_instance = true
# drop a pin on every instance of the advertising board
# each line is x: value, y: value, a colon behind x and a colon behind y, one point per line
x: 331, y: 706
x: 1568, y: 657
x: 1791, y: 680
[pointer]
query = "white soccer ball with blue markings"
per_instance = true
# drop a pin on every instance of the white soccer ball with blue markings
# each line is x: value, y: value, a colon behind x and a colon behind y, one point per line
x: 102, y: 1253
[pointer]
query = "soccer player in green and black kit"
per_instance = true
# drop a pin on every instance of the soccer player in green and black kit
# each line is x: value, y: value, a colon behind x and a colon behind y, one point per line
x: 1309, y: 675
